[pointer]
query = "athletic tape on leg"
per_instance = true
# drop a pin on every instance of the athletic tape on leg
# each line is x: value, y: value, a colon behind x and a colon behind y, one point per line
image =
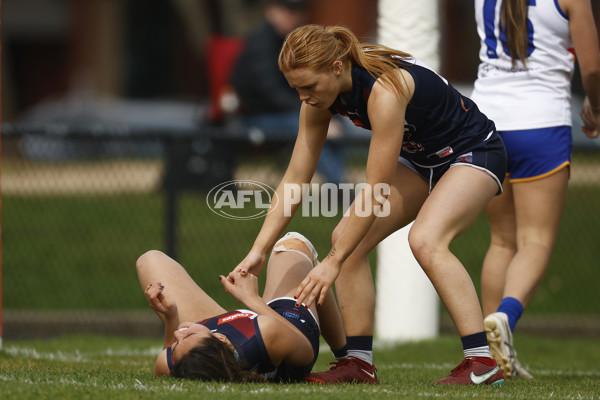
x: 281, y: 246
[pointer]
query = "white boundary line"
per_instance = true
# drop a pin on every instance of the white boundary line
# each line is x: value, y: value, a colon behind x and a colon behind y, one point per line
x: 96, y: 357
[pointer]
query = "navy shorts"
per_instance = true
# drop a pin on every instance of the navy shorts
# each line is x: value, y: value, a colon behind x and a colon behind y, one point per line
x: 304, y: 320
x: 536, y: 153
x: 488, y: 155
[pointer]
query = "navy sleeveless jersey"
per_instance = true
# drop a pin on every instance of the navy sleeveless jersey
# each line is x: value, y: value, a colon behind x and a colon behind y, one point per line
x: 241, y: 328
x: 439, y: 121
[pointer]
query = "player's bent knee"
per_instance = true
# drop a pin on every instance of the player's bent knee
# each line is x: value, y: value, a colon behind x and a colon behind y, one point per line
x: 150, y: 257
x: 422, y: 247
x: 295, y: 242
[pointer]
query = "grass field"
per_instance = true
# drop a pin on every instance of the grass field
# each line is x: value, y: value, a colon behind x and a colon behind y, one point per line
x: 114, y: 368
x: 77, y: 251
x: 81, y: 250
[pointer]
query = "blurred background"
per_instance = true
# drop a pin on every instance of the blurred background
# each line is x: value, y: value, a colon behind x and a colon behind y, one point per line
x: 117, y: 120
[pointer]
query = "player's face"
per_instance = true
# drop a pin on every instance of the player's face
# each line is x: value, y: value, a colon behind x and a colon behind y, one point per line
x: 318, y: 89
x: 187, y: 336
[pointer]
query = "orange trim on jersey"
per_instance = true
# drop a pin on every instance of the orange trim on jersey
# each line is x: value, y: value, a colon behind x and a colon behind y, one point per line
x: 538, y: 177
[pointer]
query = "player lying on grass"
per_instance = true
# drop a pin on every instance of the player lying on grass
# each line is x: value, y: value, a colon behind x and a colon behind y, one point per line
x: 271, y: 340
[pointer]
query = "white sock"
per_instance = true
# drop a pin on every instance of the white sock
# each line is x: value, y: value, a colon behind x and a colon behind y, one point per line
x: 365, y: 355
x: 483, y: 351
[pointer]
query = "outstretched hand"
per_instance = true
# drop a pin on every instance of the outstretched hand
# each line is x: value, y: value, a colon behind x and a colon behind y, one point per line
x: 316, y: 284
x: 591, y: 120
x: 242, y: 287
x: 253, y: 263
x: 160, y: 303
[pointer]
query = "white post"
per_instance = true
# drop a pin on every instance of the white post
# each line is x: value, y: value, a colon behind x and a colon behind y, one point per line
x: 407, y: 304
x: 411, y: 26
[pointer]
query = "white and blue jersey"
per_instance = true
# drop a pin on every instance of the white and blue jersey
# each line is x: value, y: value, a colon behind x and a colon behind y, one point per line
x: 531, y: 96
x: 530, y: 104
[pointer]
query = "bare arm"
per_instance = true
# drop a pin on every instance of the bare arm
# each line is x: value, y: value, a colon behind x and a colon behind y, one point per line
x: 386, y: 113
x: 167, y: 311
x: 313, y: 125
x: 165, y: 308
x: 283, y: 341
x: 303, y: 163
x: 585, y: 39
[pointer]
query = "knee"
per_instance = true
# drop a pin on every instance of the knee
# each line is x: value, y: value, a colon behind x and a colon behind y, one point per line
x: 149, y: 258
x: 423, y: 247
x: 504, y: 240
x: 295, y: 242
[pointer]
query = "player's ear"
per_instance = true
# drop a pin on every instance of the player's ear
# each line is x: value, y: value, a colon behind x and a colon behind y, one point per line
x: 338, y: 67
x: 222, y: 338
x: 161, y: 367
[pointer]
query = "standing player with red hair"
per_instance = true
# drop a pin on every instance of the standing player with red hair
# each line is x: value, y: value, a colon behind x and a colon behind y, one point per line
x: 441, y: 159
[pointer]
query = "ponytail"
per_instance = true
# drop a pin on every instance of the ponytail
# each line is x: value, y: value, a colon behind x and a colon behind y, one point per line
x: 316, y: 47
x: 513, y: 17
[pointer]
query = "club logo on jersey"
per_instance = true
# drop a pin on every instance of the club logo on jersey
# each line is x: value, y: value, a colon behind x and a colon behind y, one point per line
x: 354, y: 117
x: 353, y: 114
x: 408, y: 144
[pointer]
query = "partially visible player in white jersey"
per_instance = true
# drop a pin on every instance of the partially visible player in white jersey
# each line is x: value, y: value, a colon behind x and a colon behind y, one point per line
x: 528, y: 52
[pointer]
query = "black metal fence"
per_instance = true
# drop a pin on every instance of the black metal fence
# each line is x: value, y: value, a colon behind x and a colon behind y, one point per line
x: 81, y: 203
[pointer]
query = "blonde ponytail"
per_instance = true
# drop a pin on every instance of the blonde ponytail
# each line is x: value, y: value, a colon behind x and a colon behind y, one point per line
x: 316, y: 47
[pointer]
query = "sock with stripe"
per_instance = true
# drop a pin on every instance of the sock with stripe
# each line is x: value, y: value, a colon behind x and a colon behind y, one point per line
x: 476, y: 345
x: 360, y: 347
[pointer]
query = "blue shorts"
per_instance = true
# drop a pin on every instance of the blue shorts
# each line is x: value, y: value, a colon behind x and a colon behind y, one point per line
x: 304, y: 320
x: 488, y: 156
x: 536, y: 153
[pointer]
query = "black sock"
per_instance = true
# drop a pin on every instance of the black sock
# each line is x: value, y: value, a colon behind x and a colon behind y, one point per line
x: 360, y: 347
